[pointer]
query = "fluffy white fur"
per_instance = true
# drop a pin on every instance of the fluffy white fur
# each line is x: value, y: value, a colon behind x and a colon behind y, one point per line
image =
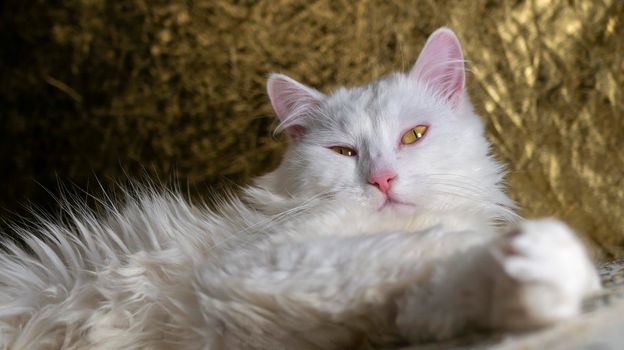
x: 312, y: 256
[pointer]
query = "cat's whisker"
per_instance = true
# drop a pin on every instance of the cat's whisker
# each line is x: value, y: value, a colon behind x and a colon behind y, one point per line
x: 470, y: 192
x: 244, y: 238
x: 455, y: 178
x: 501, y: 210
x: 459, y: 186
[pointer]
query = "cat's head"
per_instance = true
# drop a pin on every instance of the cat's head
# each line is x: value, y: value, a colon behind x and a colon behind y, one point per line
x: 406, y: 141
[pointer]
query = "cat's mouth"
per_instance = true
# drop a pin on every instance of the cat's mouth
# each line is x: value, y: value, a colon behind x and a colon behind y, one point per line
x: 391, y: 202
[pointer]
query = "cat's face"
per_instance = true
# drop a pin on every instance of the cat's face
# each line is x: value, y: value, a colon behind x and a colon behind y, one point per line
x: 404, y: 142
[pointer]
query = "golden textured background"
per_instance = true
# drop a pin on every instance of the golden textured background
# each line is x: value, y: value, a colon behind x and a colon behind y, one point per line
x: 106, y: 89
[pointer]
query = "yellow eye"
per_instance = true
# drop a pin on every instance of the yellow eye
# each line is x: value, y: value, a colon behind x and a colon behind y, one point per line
x: 414, y: 134
x: 345, y: 151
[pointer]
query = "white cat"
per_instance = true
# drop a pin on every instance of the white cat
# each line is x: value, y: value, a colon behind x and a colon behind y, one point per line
x: 378, y: 228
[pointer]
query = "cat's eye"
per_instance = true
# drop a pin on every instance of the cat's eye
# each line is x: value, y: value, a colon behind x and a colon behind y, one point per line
x: 414, y: 134
x: 345, y: 151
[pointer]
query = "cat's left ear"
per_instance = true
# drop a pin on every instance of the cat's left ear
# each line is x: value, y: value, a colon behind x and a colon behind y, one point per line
x: 292, y: 102
x: 441, y: 65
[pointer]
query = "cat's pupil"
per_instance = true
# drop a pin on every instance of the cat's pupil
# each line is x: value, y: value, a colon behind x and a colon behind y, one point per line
x: 345, y: 151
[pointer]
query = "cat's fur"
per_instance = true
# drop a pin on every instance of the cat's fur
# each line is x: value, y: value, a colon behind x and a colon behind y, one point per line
x: 313, y: 256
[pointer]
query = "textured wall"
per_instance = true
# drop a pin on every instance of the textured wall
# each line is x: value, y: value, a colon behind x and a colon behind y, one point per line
x: 108, y: 88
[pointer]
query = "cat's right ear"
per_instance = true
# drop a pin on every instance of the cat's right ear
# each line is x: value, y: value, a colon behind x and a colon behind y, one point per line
x: 292, y: 103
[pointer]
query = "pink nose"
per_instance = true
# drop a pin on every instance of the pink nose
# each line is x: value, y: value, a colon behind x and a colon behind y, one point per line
x: 382, y: 180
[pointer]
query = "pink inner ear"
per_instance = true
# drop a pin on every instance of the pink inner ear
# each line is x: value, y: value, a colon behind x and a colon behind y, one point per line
x: 292, y: 102
x: 295, y: 132
x: 441, y: 64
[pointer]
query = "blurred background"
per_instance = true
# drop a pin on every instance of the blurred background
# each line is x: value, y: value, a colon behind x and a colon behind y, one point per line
x: 111, y: 90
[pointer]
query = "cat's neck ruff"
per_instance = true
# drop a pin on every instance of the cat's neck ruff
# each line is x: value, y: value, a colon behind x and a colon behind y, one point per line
x: 334, y: 216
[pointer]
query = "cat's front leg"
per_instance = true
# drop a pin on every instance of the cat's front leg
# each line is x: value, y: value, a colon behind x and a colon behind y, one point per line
x: 532, y: 276
x: 319, y: 293
x: 541, y: 274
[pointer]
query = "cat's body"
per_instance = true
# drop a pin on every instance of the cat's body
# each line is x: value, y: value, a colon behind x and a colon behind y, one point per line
x: 365, y: 233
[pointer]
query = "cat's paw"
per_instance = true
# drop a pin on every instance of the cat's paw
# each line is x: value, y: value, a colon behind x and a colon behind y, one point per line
x: 543, y: 273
